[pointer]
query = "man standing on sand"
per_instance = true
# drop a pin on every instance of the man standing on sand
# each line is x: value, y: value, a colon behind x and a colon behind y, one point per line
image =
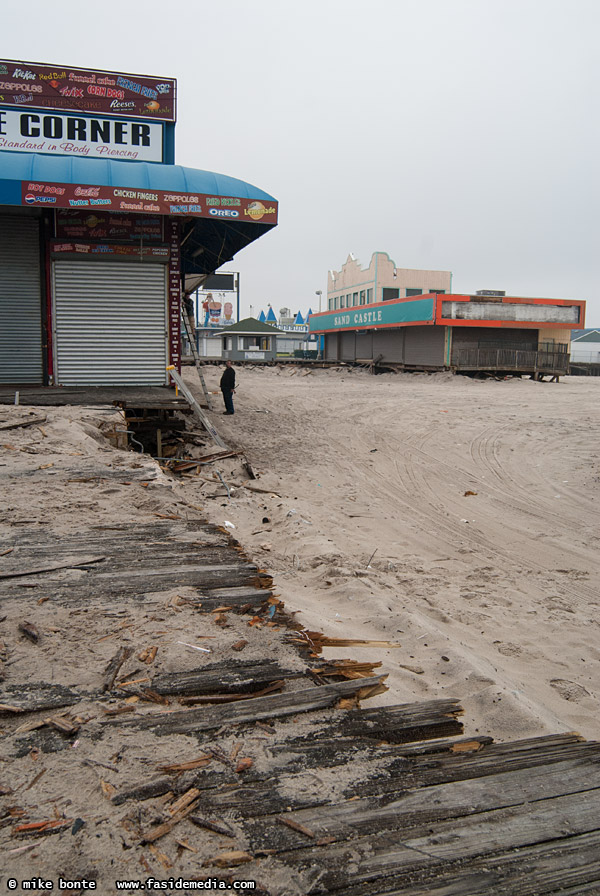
x: 228, y: 387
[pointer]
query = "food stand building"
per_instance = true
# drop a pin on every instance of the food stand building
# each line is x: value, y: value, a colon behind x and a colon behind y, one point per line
x: 488, y: 331
x: 100, y: 232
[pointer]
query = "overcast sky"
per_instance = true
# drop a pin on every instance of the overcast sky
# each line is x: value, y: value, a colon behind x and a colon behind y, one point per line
x: 458, y: 135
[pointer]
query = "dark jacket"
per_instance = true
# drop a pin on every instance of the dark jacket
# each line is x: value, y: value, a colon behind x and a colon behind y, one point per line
x: 228, y: 379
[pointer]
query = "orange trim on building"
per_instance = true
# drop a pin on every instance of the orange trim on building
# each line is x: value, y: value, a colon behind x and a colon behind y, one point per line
x: 509, y: 324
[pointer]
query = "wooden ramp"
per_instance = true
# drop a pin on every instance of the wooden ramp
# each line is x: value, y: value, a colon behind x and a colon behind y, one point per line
x: 263, y: 767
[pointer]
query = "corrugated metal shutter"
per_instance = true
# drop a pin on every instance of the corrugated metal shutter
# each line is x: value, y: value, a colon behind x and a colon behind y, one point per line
x: 109, y: 323
x: 390, y: 344
x: 348, y: 347
x: 424, y: 346
x: 364, y: 346
x: 331, y: 346
x: 20, y: 301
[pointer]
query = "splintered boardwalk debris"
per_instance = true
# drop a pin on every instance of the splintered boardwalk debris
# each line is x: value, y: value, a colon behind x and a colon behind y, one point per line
x: 429, y: 812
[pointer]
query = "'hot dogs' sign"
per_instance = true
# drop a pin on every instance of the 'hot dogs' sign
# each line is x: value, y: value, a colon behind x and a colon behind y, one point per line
x: 159, y: 202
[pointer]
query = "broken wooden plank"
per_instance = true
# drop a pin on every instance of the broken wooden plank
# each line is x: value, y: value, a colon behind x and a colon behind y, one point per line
x: 178, y: 767
x: 570, y: 866
x: 390, y: 862
x: 235, y: 678
x: 274, y: 706
x: 50, y: 826
x: 344, y: 669
x: 34, y: 696
x: 230, y: 859
x: 196, y: 407
x: 20, y: 424
x: 261, y: 491
x: 7, y: 708
x: 496, y: 830
x: 146, y: 790
x: 64, y: 724
x: 296, y: 826
x: 218, y: 827
x: 212, y: 699
x: 217, y: 455
x: 178, y: 811
x: 249, y: 469
x: 30, y: 631
x: 112, y: 670
x: 34, y: 571
x: 409, y: 813
x: 315, y: 641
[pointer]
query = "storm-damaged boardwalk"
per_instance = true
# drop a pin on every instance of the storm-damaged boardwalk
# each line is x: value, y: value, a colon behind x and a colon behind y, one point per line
x: 249, y: 761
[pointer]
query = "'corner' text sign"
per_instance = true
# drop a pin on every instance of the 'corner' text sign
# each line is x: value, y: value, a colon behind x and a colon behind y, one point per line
x: 78, y: 135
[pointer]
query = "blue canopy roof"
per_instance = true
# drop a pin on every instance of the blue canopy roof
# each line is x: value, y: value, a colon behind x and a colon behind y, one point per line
x: 262, y: 317
x: 18, y: 166
x: 271, y: 315
x: 207, y: 243
x: 299, y: 319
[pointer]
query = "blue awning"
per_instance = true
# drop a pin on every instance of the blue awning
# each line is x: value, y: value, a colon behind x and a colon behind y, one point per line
x: 20, y: 166
x: 208, y: 243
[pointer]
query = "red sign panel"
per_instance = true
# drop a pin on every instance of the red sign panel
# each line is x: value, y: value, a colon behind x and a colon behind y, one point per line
x: 158, y: 202
x: 60, y: 248
x: 174, y: 301
x: 25, y: 84
x: 91, y: 225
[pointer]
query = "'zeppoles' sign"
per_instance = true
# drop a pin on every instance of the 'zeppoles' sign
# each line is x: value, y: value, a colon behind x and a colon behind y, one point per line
x: 54, y: 133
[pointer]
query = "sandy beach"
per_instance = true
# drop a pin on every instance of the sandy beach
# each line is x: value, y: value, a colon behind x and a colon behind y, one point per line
x: 456, y: 516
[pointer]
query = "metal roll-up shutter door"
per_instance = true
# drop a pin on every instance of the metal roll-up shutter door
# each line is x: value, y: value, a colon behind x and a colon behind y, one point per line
x: 110, y: 323
x: 331, y: 347
x: 348, y: 347
x: 364, y: 346
x: 20, y: 301
x: 424, y: 346
x: 390, y: 344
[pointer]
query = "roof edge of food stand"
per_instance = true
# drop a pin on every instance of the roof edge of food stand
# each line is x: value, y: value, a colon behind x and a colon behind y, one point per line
x: 22, y: 166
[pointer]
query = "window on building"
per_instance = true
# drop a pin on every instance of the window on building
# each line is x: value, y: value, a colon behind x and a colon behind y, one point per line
x: 251, y: 343
x: 336, y: 302
x: 355, y: 299
x: 362, y: 297
x: 331, y: 304
x: 369, y: 296
x: 438, y: 292
x: 342, y: 301
x: 414, y: 292
x: 389, y: 294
